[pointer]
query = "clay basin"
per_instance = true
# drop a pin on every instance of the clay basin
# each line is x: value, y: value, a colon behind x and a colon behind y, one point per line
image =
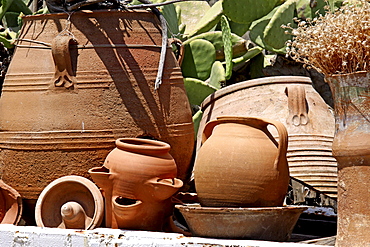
x: 267, y: 223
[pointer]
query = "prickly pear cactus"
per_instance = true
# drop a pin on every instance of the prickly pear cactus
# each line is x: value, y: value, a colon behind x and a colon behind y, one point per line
x: 228, y: 47
x: 199, y: 55
x: 274, y: 35
x: 209, y: 20
x: 217, y: 75
x: 246, y: 11
x: 215, y: 37
x: 197, y: 90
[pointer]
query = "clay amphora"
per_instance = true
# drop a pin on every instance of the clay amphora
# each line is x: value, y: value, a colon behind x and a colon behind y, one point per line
x: 240, y: 164
x: 293, y: 101
x: 351, y: 148
x: 138, y: 180
x: 62, y: 116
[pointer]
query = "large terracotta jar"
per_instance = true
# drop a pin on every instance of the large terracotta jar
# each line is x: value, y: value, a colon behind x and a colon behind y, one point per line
x: 241, y: 165
x: 138, y: 180
x: 293, y: 101
x: 78, y: 82
x: 351, y: 148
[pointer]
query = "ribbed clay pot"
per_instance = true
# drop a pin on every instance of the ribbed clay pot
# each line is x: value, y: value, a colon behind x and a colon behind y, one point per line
x: 351, y: 148
x: 62, y: 116
x: 138, y: 180
x: 293, y: 101
x: 241, y: 165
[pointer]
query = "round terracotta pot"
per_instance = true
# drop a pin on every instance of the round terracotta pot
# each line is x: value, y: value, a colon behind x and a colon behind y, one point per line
x: 70, y: 202
x: 351, y: 148
x: 241, y: 165
x: 93, y: 83
x: 11, y: 206
x: 138, y: 179
x: 292, y: 101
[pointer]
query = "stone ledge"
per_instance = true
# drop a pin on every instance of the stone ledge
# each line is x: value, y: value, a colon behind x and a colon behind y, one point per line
x: 11, y: 235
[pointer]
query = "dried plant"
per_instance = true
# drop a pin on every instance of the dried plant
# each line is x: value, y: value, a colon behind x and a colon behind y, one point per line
x: 336, y: 43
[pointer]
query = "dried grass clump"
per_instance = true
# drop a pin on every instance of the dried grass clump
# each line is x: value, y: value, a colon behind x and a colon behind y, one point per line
x: 337, y: 43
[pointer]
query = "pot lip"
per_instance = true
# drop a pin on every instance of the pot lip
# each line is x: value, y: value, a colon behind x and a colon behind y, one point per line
x: 142, y: 144
x: 86, y: 12
x: 196, y: 207
x: 353, y: 73
x: 252, y: 83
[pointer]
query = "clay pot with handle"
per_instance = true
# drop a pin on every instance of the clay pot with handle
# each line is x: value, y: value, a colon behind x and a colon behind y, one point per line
x: 240, y: 164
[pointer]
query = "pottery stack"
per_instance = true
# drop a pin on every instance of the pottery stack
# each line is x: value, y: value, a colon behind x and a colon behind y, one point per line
x: 241, y: 176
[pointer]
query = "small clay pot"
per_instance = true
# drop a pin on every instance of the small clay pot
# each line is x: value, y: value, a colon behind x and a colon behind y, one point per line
x: 138, y: 180
x: 10, y: 205
x: 70, y: 202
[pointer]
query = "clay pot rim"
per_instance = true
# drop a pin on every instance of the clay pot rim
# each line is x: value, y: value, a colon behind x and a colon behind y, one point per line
x: 85, y: 12
x: 142, y: 144
x: 357, y: 73
x: 252, y: 83
x: 196, y: 207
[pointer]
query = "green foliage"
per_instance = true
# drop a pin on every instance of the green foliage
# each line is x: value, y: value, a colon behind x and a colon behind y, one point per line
x: 197, y: 90
x: 273, y: 35
x: 199, y: 56
x: 209, y: 20
x: 226, y: 39
x: 10, y: 16
x: 246, y: 11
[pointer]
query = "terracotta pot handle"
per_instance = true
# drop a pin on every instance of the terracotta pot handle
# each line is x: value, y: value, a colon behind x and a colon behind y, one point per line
x: 63, y: 75
x: 180, y: 47
x: 298, y: 112
x: 260, y: 123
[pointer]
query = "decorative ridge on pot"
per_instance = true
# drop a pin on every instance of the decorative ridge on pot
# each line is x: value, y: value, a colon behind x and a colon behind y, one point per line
x: 251, y: 83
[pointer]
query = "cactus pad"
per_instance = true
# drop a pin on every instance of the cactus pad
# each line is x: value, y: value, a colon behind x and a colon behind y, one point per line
x: 246, y: 11
x: 199, y: 55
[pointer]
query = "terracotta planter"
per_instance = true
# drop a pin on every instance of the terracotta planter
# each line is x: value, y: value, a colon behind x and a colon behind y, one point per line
x: 267, y: 223
x: 70, y: 202
x: 241, y: 165
x: 351, y: 148
x: 292, y: 101
x: 62, y: 116
x: 10, y: 205
x: 138, y: 180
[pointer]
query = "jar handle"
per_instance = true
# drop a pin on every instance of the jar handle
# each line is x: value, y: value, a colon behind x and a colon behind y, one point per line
x: 63, y: 75
x: 260, y: 123
x: 180, y: 48
x: 298, y: 112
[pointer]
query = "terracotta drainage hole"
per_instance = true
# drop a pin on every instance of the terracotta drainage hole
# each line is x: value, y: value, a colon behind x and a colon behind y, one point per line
x: 125, y: 201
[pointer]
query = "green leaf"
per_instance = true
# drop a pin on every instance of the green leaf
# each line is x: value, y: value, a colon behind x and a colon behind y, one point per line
x: 170, y: 14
